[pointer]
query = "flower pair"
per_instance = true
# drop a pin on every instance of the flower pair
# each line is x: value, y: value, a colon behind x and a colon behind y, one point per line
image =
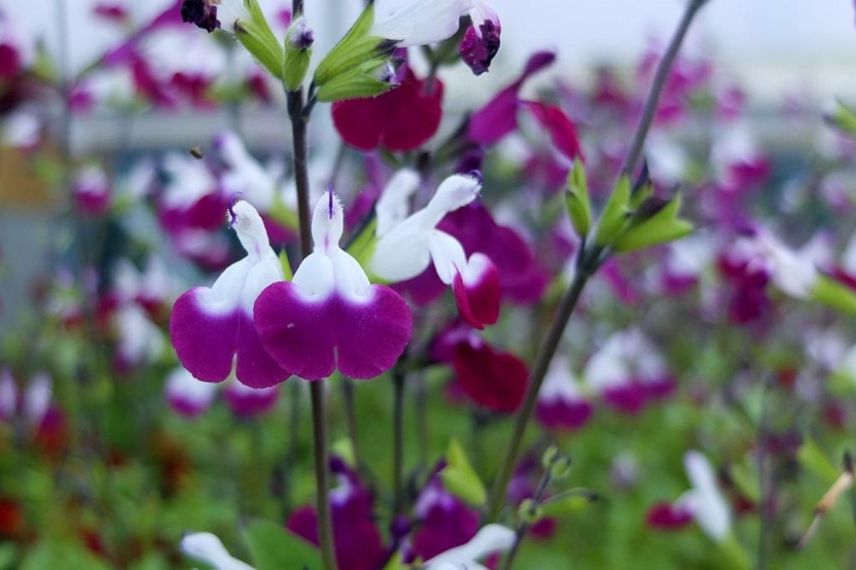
x: 328, y: 317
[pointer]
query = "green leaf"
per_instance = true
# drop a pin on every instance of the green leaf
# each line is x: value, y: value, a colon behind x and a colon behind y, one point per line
x: 257, y: 37
x: 66, y: 555
x: 286, y: 265
x: 567, y: 503
x: 274, y: 548
x: 734, y: 554
x: 577, y: 199
x: 815, y: 461
x: 615, y: 214
x: 834, y: 294
x: 362, y: 82
x: 843, y: 118
x: 460, y: 478
x: 662, y: 227
x: 8, y: 554
x: 355, y: 48
x: 745, y: 477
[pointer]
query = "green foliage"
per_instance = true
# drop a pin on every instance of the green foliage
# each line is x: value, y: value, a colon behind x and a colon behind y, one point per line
x: 274, y: 548
x: 460, y: 478
x: 663, y: 227
x: 577, y: 199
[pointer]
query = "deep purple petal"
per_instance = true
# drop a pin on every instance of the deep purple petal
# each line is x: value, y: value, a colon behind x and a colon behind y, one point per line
x: 313, y: 338
x: 205, y: 343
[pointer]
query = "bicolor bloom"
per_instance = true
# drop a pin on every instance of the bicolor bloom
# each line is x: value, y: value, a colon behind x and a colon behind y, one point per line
x: 212, y: 327
x: 561, y: 403
x: 246, y: 402
x: 628, y: 371
x: 186, y: 395
x: 330, y: 316
x: 421, y: 22
x: 407, y: 246
x: 358, y: 541
x: 444, y: 522
x: 704, y: 501
x: 491, y: 539
x: 91, y: 190
x: 211, y: 15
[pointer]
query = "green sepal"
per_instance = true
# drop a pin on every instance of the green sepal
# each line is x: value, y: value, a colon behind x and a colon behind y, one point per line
x: 258, y: 39
x: 663, y: 227
x: 844, y: 118
x: 460, y: 478
x: 362, y: 82
x: 615, y: 214
x: 287, y: 273
x: 833, y: 294
x: 356, y: 47
x: 567, y: 503
x: 577, y: 200
x: 363, y: 247
x: 296, y: 61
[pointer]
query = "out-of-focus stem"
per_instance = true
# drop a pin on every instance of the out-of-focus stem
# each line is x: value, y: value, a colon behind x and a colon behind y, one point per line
x: 398, y: 380
x: 589, y: 264
x: 319, y: 416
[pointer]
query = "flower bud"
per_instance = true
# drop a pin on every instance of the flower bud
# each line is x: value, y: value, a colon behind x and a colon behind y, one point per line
x: 298, y: 51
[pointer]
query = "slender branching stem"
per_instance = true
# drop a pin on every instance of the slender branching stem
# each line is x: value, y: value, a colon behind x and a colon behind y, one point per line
x: 589, y: 263
x: 398, y: 381
x: 523, y: 525
x: 299, y: 119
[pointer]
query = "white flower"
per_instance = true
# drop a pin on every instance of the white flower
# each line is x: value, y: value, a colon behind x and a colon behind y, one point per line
x: 705, y: 500
x: 207, y: 548
x: 420, y: 22
x: 490, y: 539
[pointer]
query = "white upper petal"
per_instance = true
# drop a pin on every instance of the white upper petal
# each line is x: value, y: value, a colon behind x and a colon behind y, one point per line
x: 180, y: 384
x: 492, y: 538
x: 37, y: 398
x: 393, y: 205
x: 559, y: 383
x: 189, y: 180
x: 705, y: 500
x: 405, y: 250
x: 448, y: 255
x: 418, y: 22
x: 329, y: 268
x: 246, y: 175
x: 206, y: 547
x: 608, y: 368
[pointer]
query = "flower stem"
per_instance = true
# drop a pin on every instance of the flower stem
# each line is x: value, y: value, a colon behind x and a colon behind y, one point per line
x: 523, y: 526
x: 319, y: 416
x: 589, y: 263
x: 660, y: 78
x: 398, y: 379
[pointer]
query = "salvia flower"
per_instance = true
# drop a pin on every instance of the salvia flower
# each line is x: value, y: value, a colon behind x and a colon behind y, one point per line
x: 406, y: 247
x: 206, y: 547
x: 705, y: 500
x: 330, y: 316
x: 422, y: 22
x: 561, y: 403
x: 91, y: 190
x: 491, y: 539
x: 186, y: 395
x: 445, y: 522
x: 213, y: 326
x: 211, y: 15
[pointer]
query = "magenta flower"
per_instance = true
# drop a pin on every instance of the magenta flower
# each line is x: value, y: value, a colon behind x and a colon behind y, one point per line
x: 186, y: 395
x: 91, y: 190
x: 499, y: 117
x: 481, y: 40
x: 246, y: 402
x: 213, y: 326
x: 444, y: 522
x: 561, y: 404
x: 406, y: 246
x: 330, y: 316
x: 402, y: 119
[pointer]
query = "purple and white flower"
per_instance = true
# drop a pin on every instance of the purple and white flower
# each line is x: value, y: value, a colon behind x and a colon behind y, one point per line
x: 561, y: 402
x: 212, y: 327
x: 330, y: 317
x: 406, y: 246
x: 489, y: 540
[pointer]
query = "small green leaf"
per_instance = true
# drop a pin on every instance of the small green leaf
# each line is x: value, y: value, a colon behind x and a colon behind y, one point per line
x: 577, y: 199
x: 843, y: 118
x: 834, y: 294
x: 662, y: 227
x: 274, y: 548
x: 257, y: 37
x: 745, y: 477
x: 355, y: 48
x: 567, y: 503
x: 363, y: 82
x: 286, y: 265
x: 815, y: 461
x: 734, y: 554
x: 615, y: 214
x: 460, y: 478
